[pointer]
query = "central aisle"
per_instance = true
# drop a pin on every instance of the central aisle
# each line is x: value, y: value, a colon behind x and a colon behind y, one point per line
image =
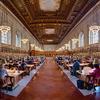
x: 50, y: 84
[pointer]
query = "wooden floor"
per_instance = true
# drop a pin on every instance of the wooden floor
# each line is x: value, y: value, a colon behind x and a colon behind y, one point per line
x: 51, y: 85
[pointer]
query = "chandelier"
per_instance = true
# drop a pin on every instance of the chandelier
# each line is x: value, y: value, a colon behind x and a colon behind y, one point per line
x: 67, y: 46
x: 24, y: 41
x: 4, y: 28
x: 32, y: 45
x: 94, y: 28
x: 75, y: 40
x: 62, y: 48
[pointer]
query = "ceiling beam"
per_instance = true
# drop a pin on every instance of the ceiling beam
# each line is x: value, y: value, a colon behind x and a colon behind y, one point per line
x: 25, y: 3
x: 71, y: 8
x: 87, y: 7
x: 52, y: 21
x: 16, y: 12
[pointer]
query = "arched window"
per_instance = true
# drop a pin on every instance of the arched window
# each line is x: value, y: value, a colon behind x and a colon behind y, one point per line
x: 6, y: 37
x: 93, y: 35
x: 69, y: 45
x: 81, y: 40
x: 18, y: 40
x: 73, y: 44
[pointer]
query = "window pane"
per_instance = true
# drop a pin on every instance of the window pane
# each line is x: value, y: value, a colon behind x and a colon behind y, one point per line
x: 18, y: 40
x: 6, y: 37
x: 93, y: 37
x: 81, y: 39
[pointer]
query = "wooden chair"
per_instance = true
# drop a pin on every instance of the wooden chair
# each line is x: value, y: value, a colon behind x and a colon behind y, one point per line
x: 97, y: 82
x: 3, y: 85
x: 94, y: 81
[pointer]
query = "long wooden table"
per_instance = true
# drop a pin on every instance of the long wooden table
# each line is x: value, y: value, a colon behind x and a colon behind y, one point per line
x: 31, y: 66
x: 14, y: 73
x: 13, y: 76
x: 36, y: 63
x: 81, y: 64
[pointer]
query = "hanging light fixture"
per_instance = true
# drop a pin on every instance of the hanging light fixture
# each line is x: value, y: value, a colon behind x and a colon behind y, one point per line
x: 32, y: 45
x: 24, y: 41
x: 67, y: 46
x: 94, y: 28
x: 4, y: 28
x: 75, y: 40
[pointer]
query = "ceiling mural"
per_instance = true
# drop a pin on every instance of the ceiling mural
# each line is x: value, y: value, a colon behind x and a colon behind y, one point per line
x: 49, y: 20
x: 49, y: 5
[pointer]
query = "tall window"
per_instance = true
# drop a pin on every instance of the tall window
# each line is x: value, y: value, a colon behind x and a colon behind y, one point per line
x: 73, y: 44
x: 93, y: 36
x: 81, y: 40
x: 6, y: 37
x: 18, y: 40
x: 69, y: 47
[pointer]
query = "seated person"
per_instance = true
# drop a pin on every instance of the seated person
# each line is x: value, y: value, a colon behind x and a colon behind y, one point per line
x: 3, y: 72
x: 15, y: 64
x: 10, y: 65
x: 2, y: 61
x: 3, y: 78
x: 36, y: 61
x: 66, y: 62
x: 59, y: 58
x: 93, y: 74
x: 29, y: 62
x: 96, y: 71
x: 75, y: 67
x: 42, y: 59
x: 86, y: 70
x: 95, y: 61
x: 23, y: 65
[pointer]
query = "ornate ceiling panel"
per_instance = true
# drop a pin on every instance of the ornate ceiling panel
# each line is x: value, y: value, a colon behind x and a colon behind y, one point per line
x: 49, y: 5
x: 49, y: 20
